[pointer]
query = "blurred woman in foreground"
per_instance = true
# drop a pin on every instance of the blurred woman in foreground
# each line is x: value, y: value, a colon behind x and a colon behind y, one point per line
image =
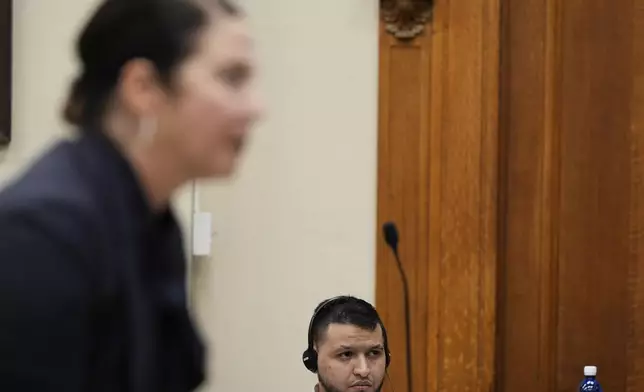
x: 92, y: 268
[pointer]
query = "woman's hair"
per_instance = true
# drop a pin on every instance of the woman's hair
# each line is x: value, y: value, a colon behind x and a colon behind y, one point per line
x: 161, y: 31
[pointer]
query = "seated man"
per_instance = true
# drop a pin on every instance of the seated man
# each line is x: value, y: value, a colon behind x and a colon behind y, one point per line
x: 347, y: 346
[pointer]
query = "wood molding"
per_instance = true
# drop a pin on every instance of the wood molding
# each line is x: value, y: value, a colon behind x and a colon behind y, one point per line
x: 438, y: 180
x: 6, y: 29
x: 406, y: 19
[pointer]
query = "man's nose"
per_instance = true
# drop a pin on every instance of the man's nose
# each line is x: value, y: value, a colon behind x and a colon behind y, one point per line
x: 362, y: 367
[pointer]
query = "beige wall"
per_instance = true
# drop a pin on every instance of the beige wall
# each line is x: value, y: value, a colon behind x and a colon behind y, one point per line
x: 298, y: 224
x: 43, y: 33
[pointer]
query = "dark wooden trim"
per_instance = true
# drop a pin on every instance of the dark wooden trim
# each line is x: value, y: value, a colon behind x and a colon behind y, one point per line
x: 6, y: 27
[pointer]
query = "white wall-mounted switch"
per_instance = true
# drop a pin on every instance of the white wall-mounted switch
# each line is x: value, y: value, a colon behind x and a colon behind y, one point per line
x: 201, y: 233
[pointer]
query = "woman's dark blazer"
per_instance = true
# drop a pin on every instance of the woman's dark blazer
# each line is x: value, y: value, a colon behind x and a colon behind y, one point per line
x: 92, y: 281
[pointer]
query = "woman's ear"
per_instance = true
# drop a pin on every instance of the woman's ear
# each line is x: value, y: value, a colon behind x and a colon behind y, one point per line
x: 139, y: 88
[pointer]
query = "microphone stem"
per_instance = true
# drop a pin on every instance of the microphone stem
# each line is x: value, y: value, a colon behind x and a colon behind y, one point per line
x: 407, y: 320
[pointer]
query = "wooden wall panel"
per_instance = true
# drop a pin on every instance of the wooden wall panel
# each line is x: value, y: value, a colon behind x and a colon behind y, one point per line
x: 403, y: 193
x: 635, y: 348
x: 593, y: 303
x: 529, y: 195
x: 570, y: 291
x: 523, y: 237
x: 437, y: 180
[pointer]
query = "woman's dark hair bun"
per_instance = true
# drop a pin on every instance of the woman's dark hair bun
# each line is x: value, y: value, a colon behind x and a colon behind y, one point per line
x: 160, y: 31
x: 73, y: 111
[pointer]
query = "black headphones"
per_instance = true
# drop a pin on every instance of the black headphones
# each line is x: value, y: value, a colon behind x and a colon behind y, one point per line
x: 310, y: 356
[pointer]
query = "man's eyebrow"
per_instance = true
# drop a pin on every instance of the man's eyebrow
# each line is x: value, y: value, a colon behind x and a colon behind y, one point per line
x: 378, y: 346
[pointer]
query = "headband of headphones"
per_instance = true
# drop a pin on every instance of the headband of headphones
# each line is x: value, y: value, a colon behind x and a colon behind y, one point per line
x: 310, y: 358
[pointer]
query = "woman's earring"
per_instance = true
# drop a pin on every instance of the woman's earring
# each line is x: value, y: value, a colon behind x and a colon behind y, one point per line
x: 147, y: 129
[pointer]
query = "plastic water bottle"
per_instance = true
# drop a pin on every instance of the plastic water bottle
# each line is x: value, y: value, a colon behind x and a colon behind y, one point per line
x: 590, y: 383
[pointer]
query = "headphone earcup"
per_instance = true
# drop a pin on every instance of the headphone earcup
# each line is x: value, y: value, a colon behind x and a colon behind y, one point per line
x: 310, y: 360
x: 386, y: 344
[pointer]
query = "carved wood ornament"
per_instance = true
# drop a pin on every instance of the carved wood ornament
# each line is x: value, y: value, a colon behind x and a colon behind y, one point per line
x: 406, y: 19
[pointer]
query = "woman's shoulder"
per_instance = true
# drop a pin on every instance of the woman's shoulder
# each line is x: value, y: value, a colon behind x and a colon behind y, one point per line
x: 48, y: 222
x: 49, y: 194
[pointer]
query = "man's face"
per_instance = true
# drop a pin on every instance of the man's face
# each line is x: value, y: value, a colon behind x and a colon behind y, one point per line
x: 351, y: 359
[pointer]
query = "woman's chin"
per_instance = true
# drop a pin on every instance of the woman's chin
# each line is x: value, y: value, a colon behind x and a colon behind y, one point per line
x: 223, y: 169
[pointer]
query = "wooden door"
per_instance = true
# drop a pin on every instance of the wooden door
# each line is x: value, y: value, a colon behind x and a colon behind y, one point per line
x: 511, y: 152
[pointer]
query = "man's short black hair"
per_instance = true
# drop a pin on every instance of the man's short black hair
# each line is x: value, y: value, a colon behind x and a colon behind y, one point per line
x: 346, y: 310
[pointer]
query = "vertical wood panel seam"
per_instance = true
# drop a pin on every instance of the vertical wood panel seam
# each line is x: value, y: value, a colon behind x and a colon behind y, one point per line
x: 437, y: 78
x: 425, y: 216
x: 481, y: 200
x: 505, y: 69
x: 634, y: 345
x: 551, y: 175
x: 444, y: 102
x: 490, y: 45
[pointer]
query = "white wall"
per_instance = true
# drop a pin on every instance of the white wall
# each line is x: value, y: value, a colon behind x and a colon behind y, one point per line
x: 298, y: 224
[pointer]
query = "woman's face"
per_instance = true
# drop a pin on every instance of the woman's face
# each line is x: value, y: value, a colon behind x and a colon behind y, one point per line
x: 205, y: 122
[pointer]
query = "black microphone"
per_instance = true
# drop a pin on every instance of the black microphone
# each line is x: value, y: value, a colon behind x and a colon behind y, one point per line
x: 390, y: 233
